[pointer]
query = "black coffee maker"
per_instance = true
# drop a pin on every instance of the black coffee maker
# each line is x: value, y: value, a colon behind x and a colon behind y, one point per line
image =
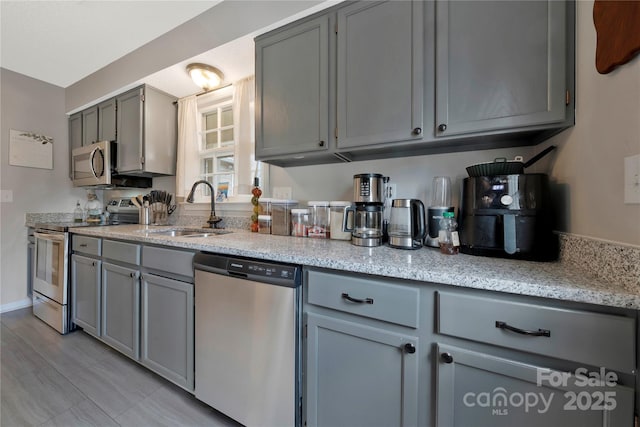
x: 508, y: 216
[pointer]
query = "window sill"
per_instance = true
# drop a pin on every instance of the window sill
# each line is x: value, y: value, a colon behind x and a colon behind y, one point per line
x: 233, y: 204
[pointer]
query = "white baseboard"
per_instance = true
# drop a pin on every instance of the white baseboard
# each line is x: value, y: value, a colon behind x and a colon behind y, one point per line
x: 16, y: 305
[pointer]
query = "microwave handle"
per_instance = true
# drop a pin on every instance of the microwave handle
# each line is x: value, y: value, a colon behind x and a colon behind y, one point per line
x: 91, y: 157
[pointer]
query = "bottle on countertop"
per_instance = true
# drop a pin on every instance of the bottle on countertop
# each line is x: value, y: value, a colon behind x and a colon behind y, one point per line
x: 448, y: 236
x: 78, y: 213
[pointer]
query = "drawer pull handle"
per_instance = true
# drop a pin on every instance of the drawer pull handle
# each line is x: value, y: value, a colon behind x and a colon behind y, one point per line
x: 83, y: 245
x: 357, y: 300
x: 538, y: 333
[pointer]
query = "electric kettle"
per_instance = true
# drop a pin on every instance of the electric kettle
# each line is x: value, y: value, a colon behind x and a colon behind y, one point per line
x: 407, y: 224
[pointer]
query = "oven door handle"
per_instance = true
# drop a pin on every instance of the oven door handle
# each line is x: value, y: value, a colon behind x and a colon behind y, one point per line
x: 49, y: 236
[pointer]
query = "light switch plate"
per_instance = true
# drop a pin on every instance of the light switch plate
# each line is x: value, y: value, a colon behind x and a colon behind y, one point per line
x: 282, y: 193
x: 632, y: 179
x: 6, y: 196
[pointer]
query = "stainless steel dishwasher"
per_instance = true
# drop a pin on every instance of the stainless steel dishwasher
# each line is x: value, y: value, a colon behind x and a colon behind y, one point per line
x: 247, y: 341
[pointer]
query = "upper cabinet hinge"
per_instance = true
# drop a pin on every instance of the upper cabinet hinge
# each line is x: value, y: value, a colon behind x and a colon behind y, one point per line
x: 335, y: 132
x: 567, y: 98
x: 142, y: 97
x: 336, y: 29
x: 142, y: 160
x: 305, y: 331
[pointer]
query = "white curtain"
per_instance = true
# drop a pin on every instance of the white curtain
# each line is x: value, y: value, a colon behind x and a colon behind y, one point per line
x: 244, y: 118
x: 187, y: 156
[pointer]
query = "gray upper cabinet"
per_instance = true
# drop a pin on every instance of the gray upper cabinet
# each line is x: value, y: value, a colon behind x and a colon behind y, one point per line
x: 379, y: 73
x: 292, y: 88
x: 90, y: 126
x: 75, y: 137
x: 500, y: 65
x: 146, y: 132
x: 107, y: 120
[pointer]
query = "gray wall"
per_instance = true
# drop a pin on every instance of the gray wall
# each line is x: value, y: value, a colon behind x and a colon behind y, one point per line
x: 30, y: 105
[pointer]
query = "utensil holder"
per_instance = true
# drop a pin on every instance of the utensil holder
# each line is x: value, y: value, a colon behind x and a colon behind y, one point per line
x: 160, y: 214
x: 144, y: 215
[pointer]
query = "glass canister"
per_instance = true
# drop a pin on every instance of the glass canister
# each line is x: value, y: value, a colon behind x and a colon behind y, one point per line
x: 264, y: 224
x: 281, y: 216
x: 319, y: 224
x: 336, y: 217
x: 300, y: 222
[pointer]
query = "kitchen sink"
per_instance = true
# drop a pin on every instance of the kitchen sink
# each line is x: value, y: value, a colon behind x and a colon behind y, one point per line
x: 178, y: 232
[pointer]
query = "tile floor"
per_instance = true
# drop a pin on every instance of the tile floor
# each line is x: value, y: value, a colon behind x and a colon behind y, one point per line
x: 75, y: 380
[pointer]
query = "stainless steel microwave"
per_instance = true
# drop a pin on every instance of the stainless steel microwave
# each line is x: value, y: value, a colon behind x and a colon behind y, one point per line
x: 93, y: 164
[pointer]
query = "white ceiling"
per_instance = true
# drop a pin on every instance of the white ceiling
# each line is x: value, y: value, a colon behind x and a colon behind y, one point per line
x: 61, y: 42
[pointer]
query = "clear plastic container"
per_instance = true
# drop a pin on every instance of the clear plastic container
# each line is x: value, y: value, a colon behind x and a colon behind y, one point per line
x: 264, y: 224
x: 448, y: 236
x: 281, y: 216
x: 300, y: 222
x: 319, y: 225
x: 93, y: 208
x: 336, y: 218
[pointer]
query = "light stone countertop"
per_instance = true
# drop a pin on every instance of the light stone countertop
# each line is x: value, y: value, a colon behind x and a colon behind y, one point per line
x: 540, y: 279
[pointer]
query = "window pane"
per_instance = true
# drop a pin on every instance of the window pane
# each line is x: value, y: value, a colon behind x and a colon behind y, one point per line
x: 225, y: 163
x: 211, y: 120
x: 226, y: 117
x: 226, y: 136
x: 207, y: 166
x: 211, y: 140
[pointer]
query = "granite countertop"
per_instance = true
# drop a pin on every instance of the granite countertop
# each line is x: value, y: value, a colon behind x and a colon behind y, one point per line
x: 542, y: 279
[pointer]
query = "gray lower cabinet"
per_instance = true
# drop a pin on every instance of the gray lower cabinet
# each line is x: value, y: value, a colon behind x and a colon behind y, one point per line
x: 479, y: 389
x: 121, y: 308
x: 167, y: 328
x: 86, y: 293
x: 359, y: 375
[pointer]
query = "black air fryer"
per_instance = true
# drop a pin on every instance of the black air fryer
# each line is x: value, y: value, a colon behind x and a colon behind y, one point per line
x: 507, y: 216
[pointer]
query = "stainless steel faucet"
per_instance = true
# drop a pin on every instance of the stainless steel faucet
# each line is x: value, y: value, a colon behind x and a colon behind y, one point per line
x: 213, y: 218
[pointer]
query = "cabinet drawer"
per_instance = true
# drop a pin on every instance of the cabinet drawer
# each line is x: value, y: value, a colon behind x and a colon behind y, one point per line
x: 171, y: 260
x: 602, y: 340
x: 380, y: 300
x: 87, y: 245
x: 121, y: 251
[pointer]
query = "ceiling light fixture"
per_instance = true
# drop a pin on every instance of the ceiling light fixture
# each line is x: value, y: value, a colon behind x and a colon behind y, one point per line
x: 205, y: 76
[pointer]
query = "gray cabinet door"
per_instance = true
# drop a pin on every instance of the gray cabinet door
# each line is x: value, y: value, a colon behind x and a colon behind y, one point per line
x: 75, y: 137
x: 292, y: 90
x: 499, y: 65
x: 90, y: 126
x: 380, y: 72
x: 478, y: 389
x: 107, y: 120
x: 121, y: 308
x: 358, y: 375
x: 85, y: 288
x: 130, y: 109
x: 167, y: 340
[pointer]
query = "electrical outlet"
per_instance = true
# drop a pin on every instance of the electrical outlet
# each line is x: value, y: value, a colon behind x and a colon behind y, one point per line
x: 632, y: 179
x: 391, y: 191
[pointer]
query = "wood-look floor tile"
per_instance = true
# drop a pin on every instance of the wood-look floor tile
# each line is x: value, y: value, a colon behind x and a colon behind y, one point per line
x: 84, y: 414
x: 16, y: 356
x: 170, y: 406
x: 35, y: 397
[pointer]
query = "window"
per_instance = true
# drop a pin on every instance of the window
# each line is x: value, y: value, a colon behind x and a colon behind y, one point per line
x: 216, y: 144
x: 217, y: 149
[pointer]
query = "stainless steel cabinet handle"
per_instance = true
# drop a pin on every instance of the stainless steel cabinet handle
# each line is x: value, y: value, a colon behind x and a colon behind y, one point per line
x: 442, y: 127
x: 83, y: 245
x: 417, y: 131
x: 357, y: 300
x: 447, y: 357
x: 409, y: 348
x: 132, y: 275
x: 321, y: 143
x: 93, y: 264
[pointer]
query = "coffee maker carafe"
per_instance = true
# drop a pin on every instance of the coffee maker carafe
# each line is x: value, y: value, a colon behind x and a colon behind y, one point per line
x: 407, y: 226
x: 367, y: 210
